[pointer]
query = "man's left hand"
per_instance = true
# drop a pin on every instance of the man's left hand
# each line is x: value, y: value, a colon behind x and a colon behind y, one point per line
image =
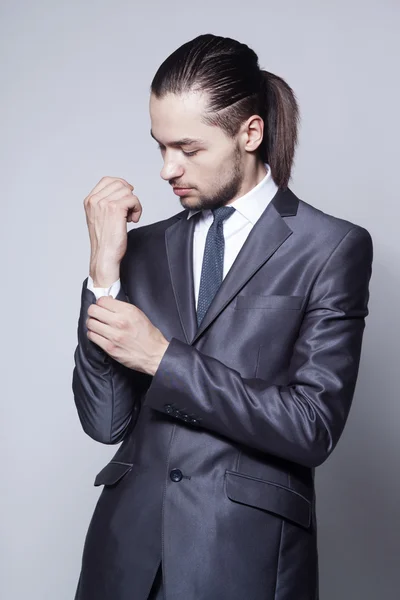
x: 124, y: 332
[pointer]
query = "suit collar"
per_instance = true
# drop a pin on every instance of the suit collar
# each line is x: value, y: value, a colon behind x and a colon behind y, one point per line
x: 286, y: 202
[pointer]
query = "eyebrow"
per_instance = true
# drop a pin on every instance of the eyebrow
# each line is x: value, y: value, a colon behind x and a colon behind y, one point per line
x: 182, y: 142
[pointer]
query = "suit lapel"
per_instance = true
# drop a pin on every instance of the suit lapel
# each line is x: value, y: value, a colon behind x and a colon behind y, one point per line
x: 179, y: 246
x: 270, y: 232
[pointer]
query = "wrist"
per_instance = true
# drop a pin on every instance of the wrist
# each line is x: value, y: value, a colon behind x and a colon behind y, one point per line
x: 104, y: 278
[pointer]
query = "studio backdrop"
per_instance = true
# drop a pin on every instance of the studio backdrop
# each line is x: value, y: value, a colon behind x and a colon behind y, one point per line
x: 75, y: 81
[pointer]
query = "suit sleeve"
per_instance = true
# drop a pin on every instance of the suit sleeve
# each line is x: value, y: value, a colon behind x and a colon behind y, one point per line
x: 107, y: 394
x: 303, y: 420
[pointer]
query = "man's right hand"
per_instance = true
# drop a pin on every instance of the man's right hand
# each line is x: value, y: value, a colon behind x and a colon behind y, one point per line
x: 109, y: 207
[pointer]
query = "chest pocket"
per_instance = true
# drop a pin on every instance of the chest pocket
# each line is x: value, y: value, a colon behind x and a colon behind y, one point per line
x: 249, y: 301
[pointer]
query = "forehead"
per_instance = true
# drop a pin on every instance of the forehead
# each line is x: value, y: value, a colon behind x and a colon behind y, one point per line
x: 179, y: 116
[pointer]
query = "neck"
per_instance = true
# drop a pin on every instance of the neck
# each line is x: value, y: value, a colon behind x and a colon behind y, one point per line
x: 252, y: 177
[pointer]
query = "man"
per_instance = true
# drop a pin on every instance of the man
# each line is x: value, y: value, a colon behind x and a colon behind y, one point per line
x: 221, y: 346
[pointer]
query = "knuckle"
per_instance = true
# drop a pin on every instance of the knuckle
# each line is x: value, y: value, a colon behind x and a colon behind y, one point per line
x: 126, y: 183
x: 103, y: 202
x: 113, y: 204
x: 120, y: 324
x: 109, y: 347
x: 118, y: 337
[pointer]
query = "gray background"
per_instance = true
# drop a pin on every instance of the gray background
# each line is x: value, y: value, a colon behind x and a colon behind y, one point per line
x: 74, y: 107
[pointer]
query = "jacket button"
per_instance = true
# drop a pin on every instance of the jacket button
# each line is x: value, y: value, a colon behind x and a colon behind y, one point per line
x: 176, y: 475
x: 168, y: 408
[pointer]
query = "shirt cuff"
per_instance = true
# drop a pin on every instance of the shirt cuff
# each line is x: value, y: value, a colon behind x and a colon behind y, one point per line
x: 98, y: 291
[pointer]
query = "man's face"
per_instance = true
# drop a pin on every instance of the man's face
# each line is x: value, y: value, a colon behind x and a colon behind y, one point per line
x: 198, y: 157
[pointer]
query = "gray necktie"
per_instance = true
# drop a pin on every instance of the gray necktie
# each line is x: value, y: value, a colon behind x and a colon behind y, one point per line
x: 213, y: 261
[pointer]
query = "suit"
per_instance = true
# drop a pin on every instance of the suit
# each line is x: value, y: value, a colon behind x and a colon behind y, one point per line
x: 215, y: 473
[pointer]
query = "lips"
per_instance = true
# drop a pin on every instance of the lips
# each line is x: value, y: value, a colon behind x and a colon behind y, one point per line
x: 179, y: 191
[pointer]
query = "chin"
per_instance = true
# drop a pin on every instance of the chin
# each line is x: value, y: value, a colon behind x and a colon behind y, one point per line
x: 188, y: 203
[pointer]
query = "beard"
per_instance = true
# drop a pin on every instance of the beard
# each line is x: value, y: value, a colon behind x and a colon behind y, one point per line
x: 224, y: 192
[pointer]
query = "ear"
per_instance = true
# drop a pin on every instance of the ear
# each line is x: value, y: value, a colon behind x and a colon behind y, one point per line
x: 253, y: 130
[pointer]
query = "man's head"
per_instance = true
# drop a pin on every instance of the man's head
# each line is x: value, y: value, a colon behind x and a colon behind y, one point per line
x: 213, y: 165
x: 218, y: 118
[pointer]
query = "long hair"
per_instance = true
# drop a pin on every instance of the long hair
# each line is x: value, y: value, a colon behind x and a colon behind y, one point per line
x: 229, y: 73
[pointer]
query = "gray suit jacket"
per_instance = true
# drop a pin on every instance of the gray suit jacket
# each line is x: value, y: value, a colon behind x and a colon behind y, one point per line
x: 215, y: 473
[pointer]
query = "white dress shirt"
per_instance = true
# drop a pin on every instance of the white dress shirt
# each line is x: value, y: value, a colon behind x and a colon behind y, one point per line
x: 248, y: 209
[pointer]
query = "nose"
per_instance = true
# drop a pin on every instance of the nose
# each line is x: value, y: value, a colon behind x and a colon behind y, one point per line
x: 172, y: 169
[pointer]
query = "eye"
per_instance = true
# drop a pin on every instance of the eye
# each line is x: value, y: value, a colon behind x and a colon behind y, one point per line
x: 190, y: 153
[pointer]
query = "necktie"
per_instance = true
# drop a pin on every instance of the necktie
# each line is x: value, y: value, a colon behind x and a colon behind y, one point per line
x: 213, y: 261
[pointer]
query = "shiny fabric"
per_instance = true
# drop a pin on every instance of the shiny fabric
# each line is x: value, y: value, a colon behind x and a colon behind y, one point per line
x: 215, y: 473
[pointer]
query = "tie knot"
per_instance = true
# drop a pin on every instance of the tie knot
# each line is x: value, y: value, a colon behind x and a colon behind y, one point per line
x: 222, y: 213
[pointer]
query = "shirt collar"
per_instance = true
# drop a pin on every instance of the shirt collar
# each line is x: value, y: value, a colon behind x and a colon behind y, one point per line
x: 252, y: 204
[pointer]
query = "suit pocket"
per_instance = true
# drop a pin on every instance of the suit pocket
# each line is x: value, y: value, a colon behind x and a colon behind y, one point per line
x: 257, y: 301
x: 269, y: 496
x: 112, y: 473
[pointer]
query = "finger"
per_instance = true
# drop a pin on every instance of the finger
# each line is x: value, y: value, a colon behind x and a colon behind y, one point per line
x: 102, y: 312
x: 109, y: 310
x: 129, y: 202
x: 114, y: 187
x: 98, y: 339
x: 108, y: 195
x: 135, y: 213
x: 99, y: 328
x: 104, y: 181
x: 107, y: 303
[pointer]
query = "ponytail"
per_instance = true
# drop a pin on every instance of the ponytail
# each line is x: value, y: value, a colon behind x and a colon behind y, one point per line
x: 280, y: 126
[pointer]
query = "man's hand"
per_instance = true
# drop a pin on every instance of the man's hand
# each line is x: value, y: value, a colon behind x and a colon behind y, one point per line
x: 124, y: 332
x: 109, y: 207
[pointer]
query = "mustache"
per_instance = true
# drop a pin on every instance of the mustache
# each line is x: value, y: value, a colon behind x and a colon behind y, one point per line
x: 180, y: 185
